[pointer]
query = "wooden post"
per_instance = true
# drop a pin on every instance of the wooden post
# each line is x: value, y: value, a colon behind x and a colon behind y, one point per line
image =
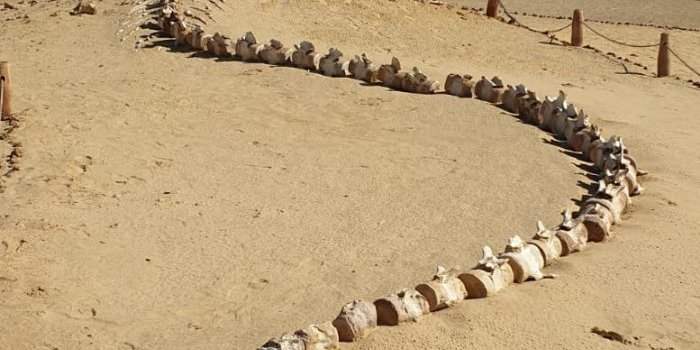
x: 6, y: 101
x: 577, y: 29
x: 492, y: 8
x: 663, y: 68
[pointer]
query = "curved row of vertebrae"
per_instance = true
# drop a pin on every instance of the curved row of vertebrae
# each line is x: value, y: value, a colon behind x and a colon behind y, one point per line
x: 520, y: 260
x: 163, y: 14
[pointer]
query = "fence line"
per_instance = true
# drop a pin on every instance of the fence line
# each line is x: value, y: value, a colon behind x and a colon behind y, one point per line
x: 515, y: 20
x: 651, y: 25
x: 684, y: 62
x: 616, y: 41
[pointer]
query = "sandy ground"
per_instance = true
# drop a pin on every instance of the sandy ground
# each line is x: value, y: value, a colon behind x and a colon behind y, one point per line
x: 171, y: 201
x: 682, y: 13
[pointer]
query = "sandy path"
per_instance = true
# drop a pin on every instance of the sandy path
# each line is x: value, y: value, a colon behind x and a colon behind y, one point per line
x: 169, y: 202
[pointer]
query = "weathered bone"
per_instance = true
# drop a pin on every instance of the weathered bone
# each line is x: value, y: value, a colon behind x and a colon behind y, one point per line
x: 219, y: 45
x: 547, y: 114
x: 285, y: 342
x: 563, y: 118
x: 195, y: 41
x: 304, y: 56
x: 550, y: 246
x: 598, y: 217
x: 444, y: 290
x: 319, y: 337
x: 490, y: 275
x: 620, y: 161
x: 273, y: 53
x: 572, y: 233
x: 528, y: 106
x: 315, y: 337
x: 602, y: 148
x: 332, y: 63
x: 582, y: 139
x: 247, y: 48
x: 390, y: 74
x: 526, y: 260
x: 510, y: 96
x: 362, y: 68
x: 614, y: 187
x: 419, y: 83
x: 405, y: 305
x: 356, y: 320
x: 489, y: 90
x: 575, y: 125
x: 459, y: 85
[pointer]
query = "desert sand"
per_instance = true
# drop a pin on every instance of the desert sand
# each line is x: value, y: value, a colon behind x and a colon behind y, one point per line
x: 170, y: 200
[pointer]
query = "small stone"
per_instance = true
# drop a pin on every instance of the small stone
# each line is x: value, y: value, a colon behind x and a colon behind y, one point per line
x: 84, y: 7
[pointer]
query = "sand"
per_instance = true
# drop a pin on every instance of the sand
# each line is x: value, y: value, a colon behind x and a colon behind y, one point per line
x: 170, y: 201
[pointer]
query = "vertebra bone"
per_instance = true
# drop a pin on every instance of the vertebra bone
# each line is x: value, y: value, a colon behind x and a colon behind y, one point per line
x: 444, y: 290
x: 405, y: 305
x: 356, y: 320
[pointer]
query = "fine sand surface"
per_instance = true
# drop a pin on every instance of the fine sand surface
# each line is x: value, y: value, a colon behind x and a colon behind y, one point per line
x: 681, y: 13
x: 167, y: 200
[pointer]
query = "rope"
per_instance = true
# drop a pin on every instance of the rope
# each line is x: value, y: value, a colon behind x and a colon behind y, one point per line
x: 616, y: 41
x: 515, y: 20
x: 684, y: 62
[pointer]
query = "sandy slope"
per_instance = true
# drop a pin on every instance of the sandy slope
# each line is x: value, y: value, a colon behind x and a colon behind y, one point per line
x: 167, y: 201
x: 683, y: 13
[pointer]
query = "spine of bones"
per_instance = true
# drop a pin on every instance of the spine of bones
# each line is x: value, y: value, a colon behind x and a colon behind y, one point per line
x: 520, y: 261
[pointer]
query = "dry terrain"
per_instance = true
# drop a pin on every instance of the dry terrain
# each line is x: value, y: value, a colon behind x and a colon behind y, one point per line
x: 169, y: 200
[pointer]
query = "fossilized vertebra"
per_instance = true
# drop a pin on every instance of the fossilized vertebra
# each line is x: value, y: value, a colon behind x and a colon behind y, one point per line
x: 247, y: 48
x: 362, y: 68
x: 573, y: 126
x: 319, y: 337
x: 315, y: 337
x: 510, y: 97
x: 219, y: 45
x: 195, y: 38
x: 489, y: 90
x: 390, y: 74
x: 620, y: 160
x: 444, y: 290
x: 546, y: 240
x: 490, y: 275
x: 304, y: 56
x: 563, y: 118
x: 528, y: 106
x: 581, y: 140
x: 332, y: 64
x: 356, y: 320
x: 598, y: 216
x: 405, y: 305
x: 549, y: 109
x: 459, y: 85
x: 525, y: 259
x: 418, y: 82
x: 274, y: 53
x: 572, y: 233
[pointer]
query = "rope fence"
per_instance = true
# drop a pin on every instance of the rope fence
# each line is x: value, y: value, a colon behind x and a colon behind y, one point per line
x: 577, y: 23
x: 684, y: 62
x: 518, y: 22
x: 617, y: 41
